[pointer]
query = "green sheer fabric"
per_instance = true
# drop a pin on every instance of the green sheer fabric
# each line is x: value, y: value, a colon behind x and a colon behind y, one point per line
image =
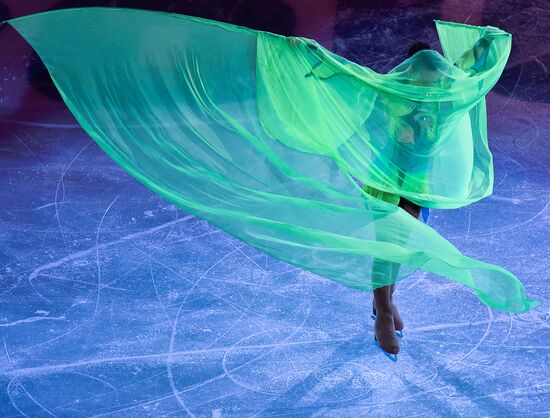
x: 263, y: 136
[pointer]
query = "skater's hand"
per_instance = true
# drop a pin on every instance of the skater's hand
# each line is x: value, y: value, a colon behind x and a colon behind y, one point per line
x: 491, y: 33
x: 298, y: 42
x: 405, y: 134
x: 322, y: 71
x: 295, y: 41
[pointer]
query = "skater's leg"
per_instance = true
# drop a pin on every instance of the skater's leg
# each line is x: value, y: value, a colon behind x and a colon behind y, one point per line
x: 384, y: 327
x: 413, y: 210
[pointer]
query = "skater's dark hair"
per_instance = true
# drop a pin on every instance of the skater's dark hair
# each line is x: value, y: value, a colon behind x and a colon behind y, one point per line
x: 417, y: 46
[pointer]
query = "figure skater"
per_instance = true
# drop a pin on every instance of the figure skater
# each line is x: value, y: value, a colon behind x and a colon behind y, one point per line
x: 413, y: 133
x: 406, y: 128
x: 414, y: 129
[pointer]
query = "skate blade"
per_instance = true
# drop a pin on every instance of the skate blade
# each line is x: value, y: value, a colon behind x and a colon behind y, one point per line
x: 398, y: 333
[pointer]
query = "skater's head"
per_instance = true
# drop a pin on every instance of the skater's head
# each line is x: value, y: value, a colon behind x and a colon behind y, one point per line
x: 424, y: 66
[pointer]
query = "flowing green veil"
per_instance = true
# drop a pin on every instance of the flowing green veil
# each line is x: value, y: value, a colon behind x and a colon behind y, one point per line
x: 273, y: 139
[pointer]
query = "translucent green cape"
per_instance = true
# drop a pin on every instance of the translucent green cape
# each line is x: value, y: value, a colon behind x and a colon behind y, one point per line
x: 262, y: 135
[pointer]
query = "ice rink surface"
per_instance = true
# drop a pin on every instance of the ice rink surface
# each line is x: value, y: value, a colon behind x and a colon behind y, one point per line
x: 115, y: 303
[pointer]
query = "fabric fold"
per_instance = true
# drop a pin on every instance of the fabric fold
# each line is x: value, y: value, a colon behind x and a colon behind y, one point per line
x: 263, y: 136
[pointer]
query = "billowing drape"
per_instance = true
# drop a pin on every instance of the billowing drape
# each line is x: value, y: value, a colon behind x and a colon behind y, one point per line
x: 264, y: 136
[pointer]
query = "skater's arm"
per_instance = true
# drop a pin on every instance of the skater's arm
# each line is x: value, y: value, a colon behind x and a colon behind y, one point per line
x: 473, y: 60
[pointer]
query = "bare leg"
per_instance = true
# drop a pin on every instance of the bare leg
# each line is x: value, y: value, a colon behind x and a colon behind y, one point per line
x: 397, y: 320
x: 387, y: 316
x: 413, y: 210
